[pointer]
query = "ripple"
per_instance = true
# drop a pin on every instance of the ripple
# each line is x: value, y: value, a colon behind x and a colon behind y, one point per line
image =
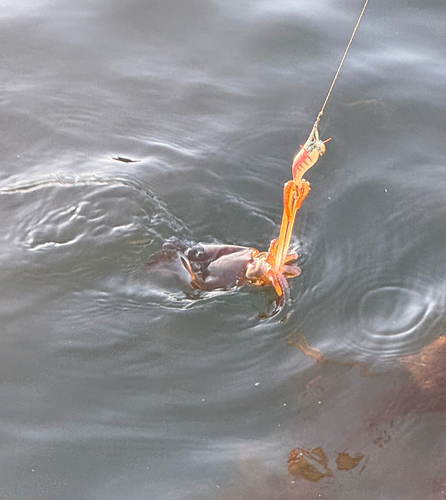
x: 392, y: 311
x: 52, y: 213
x: 391, y: 319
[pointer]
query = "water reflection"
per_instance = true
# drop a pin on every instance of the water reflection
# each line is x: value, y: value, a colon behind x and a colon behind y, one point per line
x: 362, y: 439
x: 311, y: 465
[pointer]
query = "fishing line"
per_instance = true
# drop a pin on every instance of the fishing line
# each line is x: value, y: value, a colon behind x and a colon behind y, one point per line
x: 321, y: 112
x: 295, y: 191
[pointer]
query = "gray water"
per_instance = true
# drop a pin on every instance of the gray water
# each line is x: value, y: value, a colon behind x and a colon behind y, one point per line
x: 115, y: 384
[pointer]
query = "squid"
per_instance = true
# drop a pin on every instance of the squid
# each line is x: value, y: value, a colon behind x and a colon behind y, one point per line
x: 210, y: 267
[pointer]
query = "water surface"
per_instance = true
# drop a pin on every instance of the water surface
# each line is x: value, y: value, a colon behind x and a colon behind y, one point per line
x: 115, y: 384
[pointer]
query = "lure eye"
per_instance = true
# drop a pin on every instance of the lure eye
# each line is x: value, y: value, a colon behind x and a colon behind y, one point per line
x: 320, y: 147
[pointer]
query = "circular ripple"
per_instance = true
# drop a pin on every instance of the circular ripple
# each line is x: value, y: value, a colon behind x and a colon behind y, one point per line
x: 392, y: 311
x: 392, y: 320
